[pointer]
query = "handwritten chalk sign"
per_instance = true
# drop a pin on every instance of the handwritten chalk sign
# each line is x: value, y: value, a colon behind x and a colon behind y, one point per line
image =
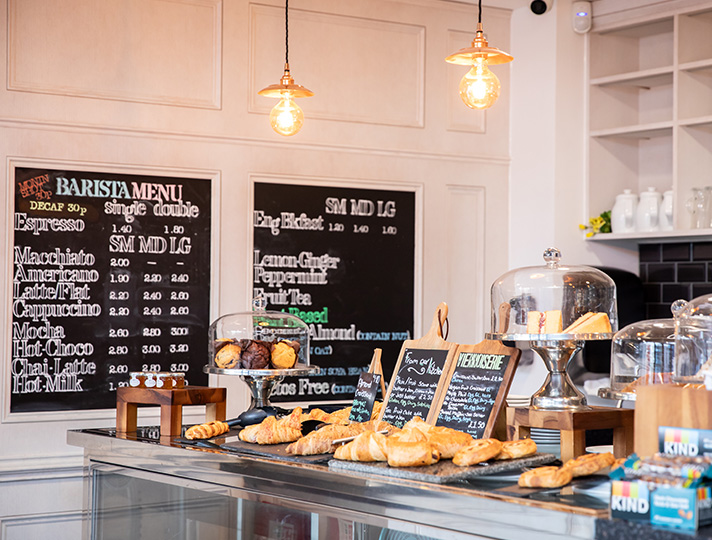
x: 415, y: 384
x: 477, y: 387
x: 365, y: 396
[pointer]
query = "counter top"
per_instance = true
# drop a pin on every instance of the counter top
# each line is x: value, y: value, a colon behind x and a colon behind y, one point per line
x: 472, y: 508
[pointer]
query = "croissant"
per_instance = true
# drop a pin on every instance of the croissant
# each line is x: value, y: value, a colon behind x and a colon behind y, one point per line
x: 448, y: 441
x: 409, y: 435
x: 340, y: 417
x: 273, y: 431
x: 321, y: 440
x: 207, y: 430
x: 367, y: 446
x: 417, y: 423
x: 410, y: 454
x: 316, y: 414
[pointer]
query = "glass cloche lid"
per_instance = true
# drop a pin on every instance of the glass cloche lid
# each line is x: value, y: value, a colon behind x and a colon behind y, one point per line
x: 643, y: 353
x: 554, y: 301
x: 258, y: 339
x: 693, y: 339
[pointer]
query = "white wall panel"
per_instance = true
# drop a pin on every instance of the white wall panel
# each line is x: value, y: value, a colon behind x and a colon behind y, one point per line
x: 153, y: 51
x: 365, y: 70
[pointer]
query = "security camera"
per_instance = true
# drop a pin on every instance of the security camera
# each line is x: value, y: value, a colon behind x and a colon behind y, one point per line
x: 539, y: 7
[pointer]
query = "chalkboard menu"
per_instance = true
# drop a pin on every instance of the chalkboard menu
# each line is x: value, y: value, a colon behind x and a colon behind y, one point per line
x: 414, y: 386
x: 111, y: 274
x: 477, y: 387
x: 365, y: 397
x: 342, y: 260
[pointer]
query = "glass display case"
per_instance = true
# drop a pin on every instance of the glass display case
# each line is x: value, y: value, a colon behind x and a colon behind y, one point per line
x: 642, y: 353
x: 555, y: 308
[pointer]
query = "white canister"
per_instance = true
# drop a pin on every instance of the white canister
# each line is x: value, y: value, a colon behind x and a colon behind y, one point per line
x: 648, y: 211
x: 623, y: 212
x: 666, y: 211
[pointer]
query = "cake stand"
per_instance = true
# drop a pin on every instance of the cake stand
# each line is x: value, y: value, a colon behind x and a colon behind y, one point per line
x: 556, y: 350
x: 261, y: 382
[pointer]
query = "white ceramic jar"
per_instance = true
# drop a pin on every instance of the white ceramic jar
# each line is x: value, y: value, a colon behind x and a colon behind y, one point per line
x: 666, y: 211
x: 623, y: 213
x: 647, y: 216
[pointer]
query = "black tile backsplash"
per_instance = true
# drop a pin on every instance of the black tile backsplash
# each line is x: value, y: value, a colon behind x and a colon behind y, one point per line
x: 671, y: 272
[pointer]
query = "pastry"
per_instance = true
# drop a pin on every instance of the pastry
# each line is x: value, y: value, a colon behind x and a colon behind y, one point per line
x: 340, y: 417
x: 256, y: 355
x: 544, y: 322
x: 589, y: 463
x: 284, y: 354
x: 367, y: 446
x: 228, y: 356
x: 320, y: 441
x: 448, y: 441
x: 410, y: 454
x: 478, y: 451
x: 207, y: 430
x: 316, y: 414
x: 590, y: 323
x: 274, y: 431
x: 517, y: 449
x: 548, y: 477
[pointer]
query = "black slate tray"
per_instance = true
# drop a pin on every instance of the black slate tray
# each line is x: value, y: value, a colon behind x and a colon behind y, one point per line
x: 443, y: 472
x: 273, y: 451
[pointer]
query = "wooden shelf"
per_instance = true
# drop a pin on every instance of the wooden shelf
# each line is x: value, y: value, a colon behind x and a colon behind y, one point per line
x: 643, y: 79
x: 658, y: 237
x: 642, y: 131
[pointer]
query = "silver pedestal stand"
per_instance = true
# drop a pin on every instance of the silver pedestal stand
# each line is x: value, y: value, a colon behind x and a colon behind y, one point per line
x: 261, y: 382
x: 556, y: 350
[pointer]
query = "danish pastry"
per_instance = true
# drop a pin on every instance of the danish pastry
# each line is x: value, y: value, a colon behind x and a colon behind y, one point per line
x: 545, y: 477
x: 448, y: 441
x: 478, y: 451
x: 273, y: 431
x: 207, y: 430
x: 517, y: 449
x: 589, y: 463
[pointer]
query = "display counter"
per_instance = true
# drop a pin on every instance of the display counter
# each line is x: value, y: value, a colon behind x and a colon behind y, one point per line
x: 143, y: 486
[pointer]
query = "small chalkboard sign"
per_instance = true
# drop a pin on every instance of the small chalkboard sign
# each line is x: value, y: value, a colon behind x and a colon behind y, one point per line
x: 476, y: 387
x: 416, y: 382
x: 365, y: 396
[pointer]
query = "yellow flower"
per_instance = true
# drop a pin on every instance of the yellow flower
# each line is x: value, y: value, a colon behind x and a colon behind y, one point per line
x: 589, y: 234
x: 582, y: 227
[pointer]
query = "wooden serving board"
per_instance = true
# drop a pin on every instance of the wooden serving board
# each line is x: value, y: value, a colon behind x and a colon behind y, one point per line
x: 443, y: 472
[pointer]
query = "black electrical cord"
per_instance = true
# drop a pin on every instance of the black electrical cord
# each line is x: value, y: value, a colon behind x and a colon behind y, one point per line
x: 286, y: 31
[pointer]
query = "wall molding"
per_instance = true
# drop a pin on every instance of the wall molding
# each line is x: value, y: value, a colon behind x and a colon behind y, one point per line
x: 248, y: 141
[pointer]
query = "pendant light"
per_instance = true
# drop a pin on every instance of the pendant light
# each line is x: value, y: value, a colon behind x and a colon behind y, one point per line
x: 286, y: 118
x: 479, y: 88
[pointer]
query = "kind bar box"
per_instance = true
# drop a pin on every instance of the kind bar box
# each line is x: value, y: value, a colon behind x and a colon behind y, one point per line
x: 676, y: 441
x: 662, y: 490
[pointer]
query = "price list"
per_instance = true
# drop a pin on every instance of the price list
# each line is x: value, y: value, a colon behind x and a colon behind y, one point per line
x: 343, y: 261
x: 111, y: 274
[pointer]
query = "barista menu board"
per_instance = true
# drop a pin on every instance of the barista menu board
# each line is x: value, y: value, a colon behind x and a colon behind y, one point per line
x: 343, y: 261
x: 111, y: 274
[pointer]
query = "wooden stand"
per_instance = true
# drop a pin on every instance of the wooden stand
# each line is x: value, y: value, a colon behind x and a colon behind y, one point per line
x: 668, y: 405
x: 573, y: 425
x: 171, y: 403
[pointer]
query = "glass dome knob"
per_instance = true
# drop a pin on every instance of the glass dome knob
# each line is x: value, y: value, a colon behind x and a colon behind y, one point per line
x: 678, y: 307
x: 552, y: 256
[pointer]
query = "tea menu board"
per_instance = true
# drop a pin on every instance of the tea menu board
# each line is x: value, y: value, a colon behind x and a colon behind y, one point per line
x: 414, y: 385
x: 330, y: 255
x: 111, y: 274
x: 477, y: 387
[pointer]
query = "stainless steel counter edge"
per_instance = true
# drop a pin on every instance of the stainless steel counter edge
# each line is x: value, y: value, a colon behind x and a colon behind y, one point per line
x: 379, y: 501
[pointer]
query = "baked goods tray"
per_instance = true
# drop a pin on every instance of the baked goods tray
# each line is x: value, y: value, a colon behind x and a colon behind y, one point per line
x: 443, y: 472
x: 298, y: 369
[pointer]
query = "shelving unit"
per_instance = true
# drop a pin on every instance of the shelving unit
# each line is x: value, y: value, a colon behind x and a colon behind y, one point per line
x: 650, y: 114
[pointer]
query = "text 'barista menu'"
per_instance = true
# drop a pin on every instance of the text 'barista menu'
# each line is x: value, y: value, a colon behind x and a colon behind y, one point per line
x: 111, y: 274
x: 343, y: 261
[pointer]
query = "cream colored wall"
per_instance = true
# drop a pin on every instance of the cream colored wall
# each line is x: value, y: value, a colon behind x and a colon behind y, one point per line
x: 169, y: 87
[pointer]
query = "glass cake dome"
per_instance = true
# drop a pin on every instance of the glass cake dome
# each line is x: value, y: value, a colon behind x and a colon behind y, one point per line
x: 642, y: 353
x: 258, y: 340
x: 554, y: 301
x: 693, y: 339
